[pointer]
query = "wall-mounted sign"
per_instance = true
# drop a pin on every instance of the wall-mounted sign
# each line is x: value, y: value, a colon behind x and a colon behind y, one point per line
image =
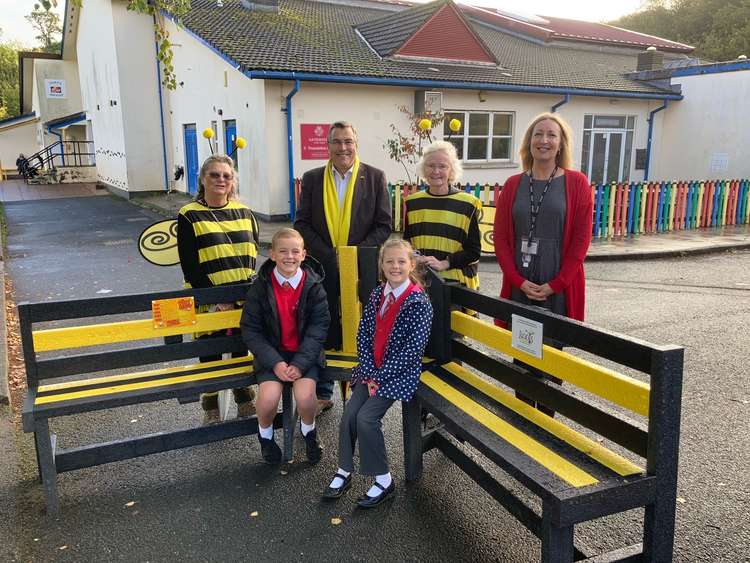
x: 314, y: 141
x: 719, y: 162
x: 54, y: 88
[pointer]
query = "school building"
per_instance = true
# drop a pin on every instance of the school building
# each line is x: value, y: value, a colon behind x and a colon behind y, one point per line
x: 277, y: 73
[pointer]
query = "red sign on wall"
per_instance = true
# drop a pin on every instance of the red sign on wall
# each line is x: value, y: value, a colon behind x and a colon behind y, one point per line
x: 314, y: 141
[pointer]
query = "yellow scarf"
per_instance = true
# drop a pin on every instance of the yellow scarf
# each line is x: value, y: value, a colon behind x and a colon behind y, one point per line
x: 338, y: 220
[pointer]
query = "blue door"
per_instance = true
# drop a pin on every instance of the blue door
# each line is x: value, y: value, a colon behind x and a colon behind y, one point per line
x: 191, y: 158
x: 230, y: 136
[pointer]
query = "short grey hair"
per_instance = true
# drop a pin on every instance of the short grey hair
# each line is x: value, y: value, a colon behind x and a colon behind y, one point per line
x: 342, y: 125
x: 450, y: 150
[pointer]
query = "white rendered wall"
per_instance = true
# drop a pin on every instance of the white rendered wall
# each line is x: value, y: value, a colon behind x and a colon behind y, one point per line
x: 139, y: 98
x: 710, y: 123
x: 100, y: 87
x: 373, y: 108
x: 210, y: 85
x: 17, y: 139
x: 54, y: 108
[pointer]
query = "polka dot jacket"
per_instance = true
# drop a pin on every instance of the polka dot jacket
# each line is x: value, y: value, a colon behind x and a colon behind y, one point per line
x: 398, y: 376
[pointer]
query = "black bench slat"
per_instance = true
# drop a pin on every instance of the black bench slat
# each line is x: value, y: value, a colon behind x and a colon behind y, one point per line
x: 619, y: 348
x: 120, y: 304
x: 108, y: 452
x: 101, y: 361
x: 607, y: 425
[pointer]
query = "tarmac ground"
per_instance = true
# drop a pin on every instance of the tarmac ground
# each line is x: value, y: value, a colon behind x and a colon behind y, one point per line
x: 220, y: 503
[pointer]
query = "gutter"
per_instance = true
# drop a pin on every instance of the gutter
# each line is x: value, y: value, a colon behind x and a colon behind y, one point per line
x: 161, y: 114
x: 650, y: 137
x: 376, y: 81
x: 562, y: 102
x: 290, y: 147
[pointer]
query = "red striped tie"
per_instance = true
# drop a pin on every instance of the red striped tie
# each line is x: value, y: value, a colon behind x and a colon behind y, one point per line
x: 389, y: 300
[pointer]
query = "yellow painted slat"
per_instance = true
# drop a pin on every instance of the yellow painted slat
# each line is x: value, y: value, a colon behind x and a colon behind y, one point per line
x: 140, y: 375
x: 606, y: 457
x: 124, y: 331
x: 115, y: 389
x: 620, y: 389
x: 555, y: 463
x: 350, y: 307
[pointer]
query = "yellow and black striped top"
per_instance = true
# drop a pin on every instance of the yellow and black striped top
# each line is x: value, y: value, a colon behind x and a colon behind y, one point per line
x: 447, y: 227
x: 217, y: 245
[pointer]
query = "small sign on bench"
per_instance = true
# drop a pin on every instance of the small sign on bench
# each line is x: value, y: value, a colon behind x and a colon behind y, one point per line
x: 179, y: 311
x: 527, y: 335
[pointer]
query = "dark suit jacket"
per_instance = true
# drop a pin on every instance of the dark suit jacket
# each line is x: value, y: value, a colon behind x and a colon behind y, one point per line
x: 371, y: 212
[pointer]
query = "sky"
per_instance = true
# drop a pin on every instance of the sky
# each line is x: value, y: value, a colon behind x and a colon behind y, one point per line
x: 15, y: 27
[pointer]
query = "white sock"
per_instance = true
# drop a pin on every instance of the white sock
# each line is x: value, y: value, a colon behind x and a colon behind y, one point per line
x: 266, y: 433
x: 338, y: 481
x: 383, y: 480
x: 305, y: 428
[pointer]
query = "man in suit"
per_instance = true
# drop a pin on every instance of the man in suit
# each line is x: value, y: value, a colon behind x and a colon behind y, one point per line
x: 344, y: 203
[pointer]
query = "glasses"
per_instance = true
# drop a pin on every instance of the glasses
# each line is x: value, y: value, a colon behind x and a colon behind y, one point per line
x: 217, y: 175
x: 343, y: 142
x: 438, y: 167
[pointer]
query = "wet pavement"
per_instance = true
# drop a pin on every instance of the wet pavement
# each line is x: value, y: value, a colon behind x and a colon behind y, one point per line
x: 197, y: 504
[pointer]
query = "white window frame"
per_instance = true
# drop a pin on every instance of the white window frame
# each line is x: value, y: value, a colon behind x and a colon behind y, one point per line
x: 587, y: 159
x: 490, y: 134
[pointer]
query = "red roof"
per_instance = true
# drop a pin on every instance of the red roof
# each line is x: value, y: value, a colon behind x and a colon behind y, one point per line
x: 445, y: 35
x: 551, y: 28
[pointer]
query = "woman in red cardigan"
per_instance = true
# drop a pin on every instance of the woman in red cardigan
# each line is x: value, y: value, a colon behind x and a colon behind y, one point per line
x: 543, y: 223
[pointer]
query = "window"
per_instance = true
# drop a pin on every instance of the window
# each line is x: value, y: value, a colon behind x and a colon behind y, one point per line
x: 607, y: 147
x: 484, y: 136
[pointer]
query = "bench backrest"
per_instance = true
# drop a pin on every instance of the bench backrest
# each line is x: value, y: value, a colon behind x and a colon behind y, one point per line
x: 74, y: 350
x: 657, y: 400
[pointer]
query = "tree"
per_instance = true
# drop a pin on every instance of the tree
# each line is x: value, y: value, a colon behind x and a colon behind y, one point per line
x: 718, y: 29
x: 47, y: 25
x: 9, y: 106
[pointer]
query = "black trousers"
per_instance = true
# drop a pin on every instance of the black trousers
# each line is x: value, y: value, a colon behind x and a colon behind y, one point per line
x: 362, y: 421
x: 210, y: 401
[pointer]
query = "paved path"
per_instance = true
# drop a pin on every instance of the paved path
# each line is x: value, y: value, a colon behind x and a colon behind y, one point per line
x: 196, y: 504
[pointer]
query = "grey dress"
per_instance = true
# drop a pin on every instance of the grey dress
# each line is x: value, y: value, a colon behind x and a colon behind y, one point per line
x: 549, y: 233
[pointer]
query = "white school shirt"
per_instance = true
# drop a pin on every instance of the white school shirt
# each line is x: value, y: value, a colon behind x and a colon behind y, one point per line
x: 397, y: 292
x: 293, y: 281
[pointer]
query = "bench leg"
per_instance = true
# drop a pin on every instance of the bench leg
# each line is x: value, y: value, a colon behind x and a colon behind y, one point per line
x: 412, y: 427
x: 46, y: 460
x: 557, y: 542
x: 658, y: 529
x: 289, y: 418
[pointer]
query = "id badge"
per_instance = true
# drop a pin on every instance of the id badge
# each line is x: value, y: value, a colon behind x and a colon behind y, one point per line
x: 529, y: 247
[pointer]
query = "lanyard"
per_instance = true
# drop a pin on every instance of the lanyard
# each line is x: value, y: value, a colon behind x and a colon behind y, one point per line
x: 535, y: 209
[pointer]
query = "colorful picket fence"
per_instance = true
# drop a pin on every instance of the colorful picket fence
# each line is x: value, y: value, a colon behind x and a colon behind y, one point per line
x: 656, y: 207
x: 630, y: 208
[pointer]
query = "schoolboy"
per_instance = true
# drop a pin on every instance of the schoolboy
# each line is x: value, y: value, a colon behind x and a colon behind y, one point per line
x: 284, y: 324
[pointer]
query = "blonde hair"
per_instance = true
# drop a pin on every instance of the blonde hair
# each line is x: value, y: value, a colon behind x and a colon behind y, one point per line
x: 216, y: 159
x: 286, y: 232
x: 564, y: 158
x: 417, y: 273
x: 450, y: 151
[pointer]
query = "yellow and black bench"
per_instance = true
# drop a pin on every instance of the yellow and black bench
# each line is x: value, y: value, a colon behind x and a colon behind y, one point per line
x: 92, y: 354
x: 611, y: 447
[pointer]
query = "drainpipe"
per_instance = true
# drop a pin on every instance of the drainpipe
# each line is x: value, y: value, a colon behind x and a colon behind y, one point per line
x: 161, y: 115
x: 562, y: 102
x: 650, y: 136
x: 57, y: 134
x: 290, y: 147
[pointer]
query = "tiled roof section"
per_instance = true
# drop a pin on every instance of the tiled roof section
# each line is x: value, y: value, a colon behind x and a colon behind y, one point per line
x: 385, y: 35
x: 600, y: 32
x: 446, y: 35
x: 318, y: 37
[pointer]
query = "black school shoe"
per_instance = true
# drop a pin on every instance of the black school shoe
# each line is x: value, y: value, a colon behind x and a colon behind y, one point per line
x: 369, y: 502
x: 270, y: 451
x: 313, y: 449
x: 332, y: 493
